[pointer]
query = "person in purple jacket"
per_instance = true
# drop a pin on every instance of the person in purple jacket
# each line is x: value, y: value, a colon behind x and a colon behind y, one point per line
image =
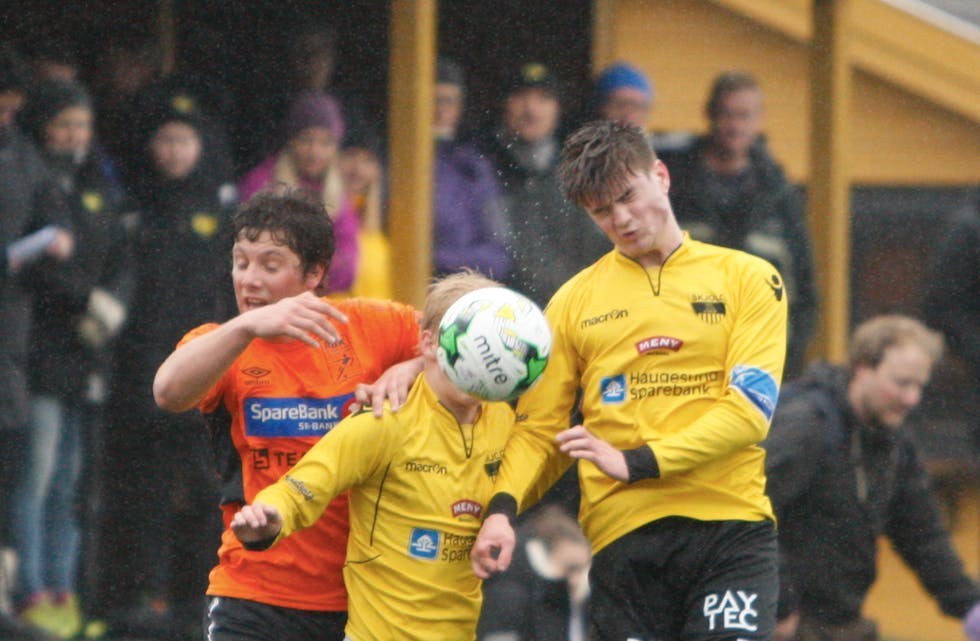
x: 469, y: 226
x: 309, y: 159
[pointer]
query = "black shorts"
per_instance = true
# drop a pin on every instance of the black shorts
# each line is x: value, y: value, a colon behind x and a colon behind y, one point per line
x: 229, y: 619
x: 679, y: 579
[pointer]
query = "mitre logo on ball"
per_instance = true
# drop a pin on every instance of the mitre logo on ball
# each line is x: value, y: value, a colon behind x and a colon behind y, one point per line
x: 494, y: 343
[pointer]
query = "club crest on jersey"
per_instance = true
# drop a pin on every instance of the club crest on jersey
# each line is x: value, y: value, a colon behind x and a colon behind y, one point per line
x: 467, y: 507
x: 709, y: 307
x: 424, y: 544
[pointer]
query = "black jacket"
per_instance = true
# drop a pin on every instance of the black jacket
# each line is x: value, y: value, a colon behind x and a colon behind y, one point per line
x: 548, y: 238
x: 182, y: 278
x: 765, y: 218
x: 837, y: 484
x: 29, y: 200
x: 59, y: 360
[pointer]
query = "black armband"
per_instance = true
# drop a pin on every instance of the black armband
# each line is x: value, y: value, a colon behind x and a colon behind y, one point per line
x: 503, y: 503
x: 260, y: 545
x: 641, y: 464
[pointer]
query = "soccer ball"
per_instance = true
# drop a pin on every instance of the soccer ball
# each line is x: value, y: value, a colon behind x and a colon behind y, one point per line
x: 493, y: 343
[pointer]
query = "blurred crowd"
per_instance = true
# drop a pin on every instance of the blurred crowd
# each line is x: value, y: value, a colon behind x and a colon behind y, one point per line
x: 115, y: 197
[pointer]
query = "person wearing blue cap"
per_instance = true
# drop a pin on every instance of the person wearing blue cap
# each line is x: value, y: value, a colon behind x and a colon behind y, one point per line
x: 624, y: 94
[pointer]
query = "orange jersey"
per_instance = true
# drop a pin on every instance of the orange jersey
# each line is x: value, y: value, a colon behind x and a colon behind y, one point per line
x: 270, y: 407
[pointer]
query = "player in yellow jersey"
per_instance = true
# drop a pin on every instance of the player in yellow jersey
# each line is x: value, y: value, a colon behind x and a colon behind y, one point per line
x: 419, y: 482
x: 678, y: 348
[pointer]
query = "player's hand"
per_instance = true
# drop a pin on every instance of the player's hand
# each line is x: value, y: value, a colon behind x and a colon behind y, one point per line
x: 786, y: 628
x: 494, y: 546
x: 62, y: 246
x: 256, y: 522
x: 392, y: 386
x: 579, y: 443
x: 304, y: 317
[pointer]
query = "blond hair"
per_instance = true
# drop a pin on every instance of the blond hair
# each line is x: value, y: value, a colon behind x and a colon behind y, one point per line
x: 874, y: 337
x: 445, y: 291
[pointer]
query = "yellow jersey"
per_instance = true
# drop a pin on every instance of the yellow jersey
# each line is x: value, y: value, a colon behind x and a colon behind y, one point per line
x: 682, y: 360
x: 419, y: 482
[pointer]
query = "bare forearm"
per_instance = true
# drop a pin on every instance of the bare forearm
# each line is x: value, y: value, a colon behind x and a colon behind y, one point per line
x: 192, y: 369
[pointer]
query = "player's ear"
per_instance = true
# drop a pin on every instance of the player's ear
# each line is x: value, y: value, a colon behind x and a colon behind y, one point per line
x: 428, y: 343
x: 660, y: 171
x: 313, y: 276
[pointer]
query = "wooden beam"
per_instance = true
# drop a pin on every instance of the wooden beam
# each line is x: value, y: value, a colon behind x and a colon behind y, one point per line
x: 829, y: 192
x: 411, y: 104
x: 603, y: 34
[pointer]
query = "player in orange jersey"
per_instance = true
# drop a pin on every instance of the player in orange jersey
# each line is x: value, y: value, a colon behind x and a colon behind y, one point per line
x: 271, y: 382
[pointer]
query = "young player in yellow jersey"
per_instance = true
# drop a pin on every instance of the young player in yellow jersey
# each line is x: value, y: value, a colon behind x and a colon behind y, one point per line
x: 419, y: 482
x: 678, y: 348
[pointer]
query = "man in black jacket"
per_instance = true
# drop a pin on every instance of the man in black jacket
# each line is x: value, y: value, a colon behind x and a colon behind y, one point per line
x: 728, y: 190
x: 524, y: 151
x: 841, y: 472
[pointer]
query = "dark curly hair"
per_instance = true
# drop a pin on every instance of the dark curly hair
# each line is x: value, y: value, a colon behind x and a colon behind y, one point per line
x: 294, y: 219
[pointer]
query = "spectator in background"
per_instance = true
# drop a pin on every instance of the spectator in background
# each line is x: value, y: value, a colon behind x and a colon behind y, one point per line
x: 952, y: 305
x: 310, y: 53
x: 309, y: 160
x: 364, y: 182
x: 468, y: 223
x: 842, y: 472
x: 33, y: 232
x: 543, y: 595
x: 75, y: 314
x: 524, y: 150
x: 623, y: 93
x: 54, y: 57
x: 129, y: 63
x: 728, y: 190
x: 162, y: 489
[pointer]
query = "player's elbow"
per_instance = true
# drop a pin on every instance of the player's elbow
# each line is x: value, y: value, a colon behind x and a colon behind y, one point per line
x: 166, y: 395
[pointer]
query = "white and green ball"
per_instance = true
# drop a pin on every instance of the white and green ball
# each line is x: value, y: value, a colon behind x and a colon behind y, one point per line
x: 494, y: 343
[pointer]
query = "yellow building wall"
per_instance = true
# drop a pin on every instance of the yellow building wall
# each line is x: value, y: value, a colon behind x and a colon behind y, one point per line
x: 683, y: 44
x: 903, y: 609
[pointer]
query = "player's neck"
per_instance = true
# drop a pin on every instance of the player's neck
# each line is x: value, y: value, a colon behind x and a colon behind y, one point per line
x: 461, y: 405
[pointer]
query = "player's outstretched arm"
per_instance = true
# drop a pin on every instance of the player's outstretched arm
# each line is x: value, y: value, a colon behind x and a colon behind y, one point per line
x: 257, y: 522
x: 579, y: 443
x: 494, y: 546
x: 194, y: 367
x: 392, y: 386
